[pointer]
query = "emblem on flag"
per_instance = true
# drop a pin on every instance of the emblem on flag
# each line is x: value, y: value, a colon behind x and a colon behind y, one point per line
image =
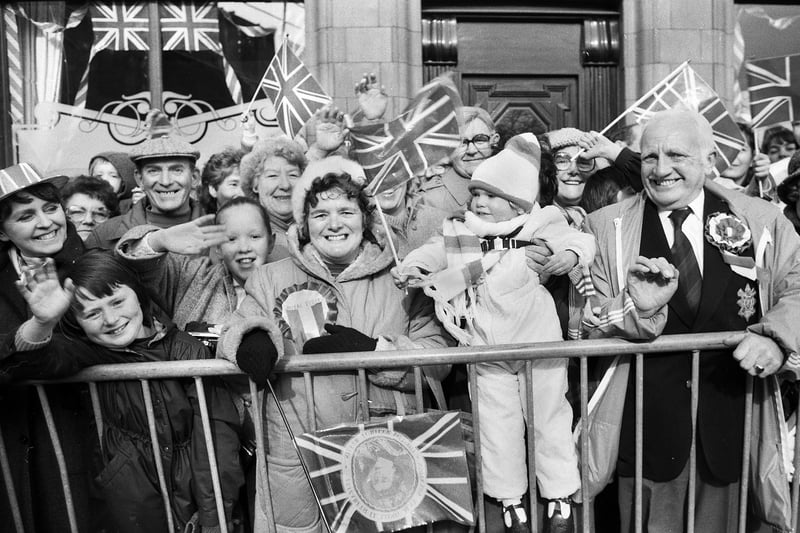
x: 390, y: 474
x: 292, y: 89
x: 685, y: 89
x: 774, y: 88
x: 426, y: 132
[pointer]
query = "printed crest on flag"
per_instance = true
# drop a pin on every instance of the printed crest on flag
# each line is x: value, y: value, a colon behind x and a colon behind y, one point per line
x: 684, y: 89
x: 294, y: 92
x: 390, y: 474
x: 424, y: 134
x: 774, y: 89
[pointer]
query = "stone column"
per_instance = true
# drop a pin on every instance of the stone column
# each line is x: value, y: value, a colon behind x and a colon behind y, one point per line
x: 346, y: 38
x: 659, y: 35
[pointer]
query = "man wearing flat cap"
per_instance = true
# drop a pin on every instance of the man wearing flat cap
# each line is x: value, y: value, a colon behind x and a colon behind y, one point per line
x: 688, y: 256
x: 165, y: 170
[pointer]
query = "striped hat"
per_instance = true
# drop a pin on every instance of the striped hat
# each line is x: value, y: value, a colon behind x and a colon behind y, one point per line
x: 163, y: 141
x: 18, y: 177
x: 513, y: 173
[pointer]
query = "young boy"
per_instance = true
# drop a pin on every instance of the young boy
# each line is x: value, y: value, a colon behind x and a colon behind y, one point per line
x: 486, y: 292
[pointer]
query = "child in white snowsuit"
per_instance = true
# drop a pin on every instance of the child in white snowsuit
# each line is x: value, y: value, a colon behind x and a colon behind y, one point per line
x: 487, y: 293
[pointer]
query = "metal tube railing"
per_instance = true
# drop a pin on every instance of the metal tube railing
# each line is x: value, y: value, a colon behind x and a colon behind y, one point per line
x: 693, y: 343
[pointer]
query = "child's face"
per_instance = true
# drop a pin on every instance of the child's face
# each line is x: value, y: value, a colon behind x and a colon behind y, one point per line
x: 104, y: 170
x: 113, y: 321
x: 492, y: 208
x: 248, y: 243
x: 778, y: 150
x: 230, y: 188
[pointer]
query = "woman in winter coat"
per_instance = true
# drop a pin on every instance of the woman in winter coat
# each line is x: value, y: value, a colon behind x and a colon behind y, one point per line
x: 334, y: 294
x: 34, y: 227
x: 108, y: 318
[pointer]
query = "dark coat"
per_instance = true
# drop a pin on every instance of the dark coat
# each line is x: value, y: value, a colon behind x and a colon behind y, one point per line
x: 667, y: 398
x: 34, y: 470
x: 126, y: 476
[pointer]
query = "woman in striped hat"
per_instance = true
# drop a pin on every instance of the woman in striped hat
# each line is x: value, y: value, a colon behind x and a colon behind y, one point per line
x: 33, y: 228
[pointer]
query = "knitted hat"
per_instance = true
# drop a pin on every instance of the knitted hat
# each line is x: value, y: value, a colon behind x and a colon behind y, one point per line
x: 163, y: 141
x: 19, y: 177
x: 335, y: 164
x: 513, y: 173
x: 789, y: 182
x: 563, y: 137
x: 125, y: 169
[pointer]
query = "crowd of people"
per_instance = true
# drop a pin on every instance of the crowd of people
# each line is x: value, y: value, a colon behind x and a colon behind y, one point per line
x: 279, y: 250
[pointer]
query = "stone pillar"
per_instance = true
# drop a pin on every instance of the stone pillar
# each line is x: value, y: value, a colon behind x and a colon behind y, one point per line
x: 659, y: 35
x: 346, y: 38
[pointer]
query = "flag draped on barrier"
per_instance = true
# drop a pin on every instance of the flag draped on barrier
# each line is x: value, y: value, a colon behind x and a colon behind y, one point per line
x: 426, y: 132
x: 774, y: 88
x: 685, y: 89
x: 390, y: 474
x: 293, y: 90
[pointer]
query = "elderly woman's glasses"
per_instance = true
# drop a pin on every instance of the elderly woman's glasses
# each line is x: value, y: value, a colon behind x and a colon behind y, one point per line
x: 564, y: 161
x: 480, y: 141
x: 78, y: 214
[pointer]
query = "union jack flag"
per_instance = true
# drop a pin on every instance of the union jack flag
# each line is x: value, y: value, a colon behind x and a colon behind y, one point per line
x: 294, y: 92
x: 425, y: 133
x: 685, y: 89
x: 120, y: 27
x: 390, y: 474
x: 189, y: 27
x: 774, y: 87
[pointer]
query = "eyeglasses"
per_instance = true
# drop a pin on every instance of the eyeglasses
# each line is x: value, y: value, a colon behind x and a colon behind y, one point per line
x: 564, y: 161
x: 78, y: 214
x: 480, y: 141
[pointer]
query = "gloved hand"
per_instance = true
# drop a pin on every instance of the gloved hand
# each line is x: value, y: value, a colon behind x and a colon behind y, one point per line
x: 341, y: 339
x: 256, y: 356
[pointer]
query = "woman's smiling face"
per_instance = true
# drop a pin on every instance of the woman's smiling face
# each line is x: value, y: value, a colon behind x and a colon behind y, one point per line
x: 37, y: 228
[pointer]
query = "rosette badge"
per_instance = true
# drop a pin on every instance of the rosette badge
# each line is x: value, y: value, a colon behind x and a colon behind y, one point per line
x: 728, y: 233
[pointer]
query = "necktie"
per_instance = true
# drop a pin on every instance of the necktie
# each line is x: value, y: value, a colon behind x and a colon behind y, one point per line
x: 690, y: 281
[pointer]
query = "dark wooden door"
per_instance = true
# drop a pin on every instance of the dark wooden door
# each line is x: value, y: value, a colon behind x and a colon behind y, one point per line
x: 523, y: 103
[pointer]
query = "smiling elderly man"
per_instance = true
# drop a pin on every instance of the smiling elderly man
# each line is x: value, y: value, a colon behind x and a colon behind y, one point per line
x: 166, y: 172
x: 686, y: 256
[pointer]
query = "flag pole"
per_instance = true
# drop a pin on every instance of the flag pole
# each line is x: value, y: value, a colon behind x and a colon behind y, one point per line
x: 300, y: 457
x: 388, y: 232
x: 246, y: 112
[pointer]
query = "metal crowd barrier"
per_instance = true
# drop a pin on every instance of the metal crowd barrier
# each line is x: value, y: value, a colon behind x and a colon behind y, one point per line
x: 694, y: 343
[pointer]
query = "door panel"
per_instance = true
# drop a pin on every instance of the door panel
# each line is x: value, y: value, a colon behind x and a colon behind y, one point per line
x: 520, y: 104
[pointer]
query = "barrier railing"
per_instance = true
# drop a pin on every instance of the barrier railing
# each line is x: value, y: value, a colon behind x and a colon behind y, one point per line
x: 360, y: 362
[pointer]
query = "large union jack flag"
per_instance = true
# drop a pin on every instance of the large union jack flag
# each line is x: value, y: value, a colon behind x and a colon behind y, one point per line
x: 390, y: 474
x: 685, y: 89
x: 425, y: 133
x: 774, y: 87
x: 294, y: 92
x: 119, y: 27
x: 190, y: 27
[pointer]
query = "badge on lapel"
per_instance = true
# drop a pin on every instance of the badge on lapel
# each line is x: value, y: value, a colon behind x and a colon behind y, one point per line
x: 746, y: 301
x: 732, y: 238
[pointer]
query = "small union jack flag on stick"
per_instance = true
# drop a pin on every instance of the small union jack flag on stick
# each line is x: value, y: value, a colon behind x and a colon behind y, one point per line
x: 774, y: 87
x: 685, y: 89
x: 390, y: 474
x: 425, y: 133
x: 294, y: 92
